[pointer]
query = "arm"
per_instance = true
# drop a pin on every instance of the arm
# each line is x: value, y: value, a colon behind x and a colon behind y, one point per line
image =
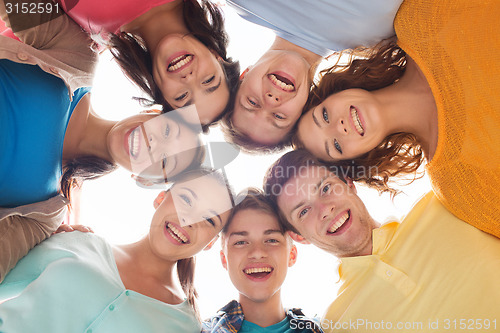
x: 23, y: 227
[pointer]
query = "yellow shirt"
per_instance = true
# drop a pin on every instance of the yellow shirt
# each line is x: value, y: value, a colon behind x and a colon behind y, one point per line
x: 456, y: 44
x: 427, y: 274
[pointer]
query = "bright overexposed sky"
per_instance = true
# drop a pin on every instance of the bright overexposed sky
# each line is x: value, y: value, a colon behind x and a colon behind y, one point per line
x: 120, y: 211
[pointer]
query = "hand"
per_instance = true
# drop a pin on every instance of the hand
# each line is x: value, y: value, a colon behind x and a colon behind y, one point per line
x: 73, y: 227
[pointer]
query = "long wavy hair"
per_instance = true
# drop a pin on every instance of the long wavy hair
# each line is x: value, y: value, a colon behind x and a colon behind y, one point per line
x: 206, y: 23
x: 399, y: 154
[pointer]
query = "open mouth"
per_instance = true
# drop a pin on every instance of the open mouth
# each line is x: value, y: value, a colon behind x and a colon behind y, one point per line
x: 339, y: 223
x: 179, y: 62
x: 357, y: 122
x: 281, y: 82
x: 258, y: 272
x: 176, y: 234
x: 134, y: 142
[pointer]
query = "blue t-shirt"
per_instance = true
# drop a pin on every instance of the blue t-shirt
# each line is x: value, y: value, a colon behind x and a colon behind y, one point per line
x: 322, y: 26
x: 34, y: 112
x: 283, y: 326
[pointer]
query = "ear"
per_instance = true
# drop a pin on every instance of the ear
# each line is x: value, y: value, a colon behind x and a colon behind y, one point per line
x: 159, y: 199
x: 142, y: 181
x: 223, y: 259
x: 212, y: 242
x: 292, y: 259
x: 351, y: 185
x: 298, y: 238
x: 242, y: 75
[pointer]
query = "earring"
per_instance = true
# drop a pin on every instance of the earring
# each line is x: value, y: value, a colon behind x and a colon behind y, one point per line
x: 242, y: 76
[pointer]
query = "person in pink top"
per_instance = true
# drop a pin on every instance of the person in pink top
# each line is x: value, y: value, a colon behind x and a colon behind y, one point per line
x: 175, y: 51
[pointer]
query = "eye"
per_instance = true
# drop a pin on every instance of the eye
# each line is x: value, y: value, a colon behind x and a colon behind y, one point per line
x: 326, y: 188
x: 277, y: 116
x: 167, y: 131
x: 325, y: 116
x: 303, y: 212
x: 211, y: 221
x: 252, y: 103
x: 186, y: 199
x: 272, y: 240
x: 209, y: 80
x: 239, y: 243
x: 337, y: 145
x: 181, y: 97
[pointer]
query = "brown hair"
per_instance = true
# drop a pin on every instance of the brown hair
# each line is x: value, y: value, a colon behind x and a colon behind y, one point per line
x: 289, y: 166
x: 206, y: 23
x: 398, y: 154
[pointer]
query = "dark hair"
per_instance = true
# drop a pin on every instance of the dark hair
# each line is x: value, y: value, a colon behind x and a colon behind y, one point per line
x: 289, y: 166
x: 206, y: 23
x: 255, y: 199
x: 398, y: 153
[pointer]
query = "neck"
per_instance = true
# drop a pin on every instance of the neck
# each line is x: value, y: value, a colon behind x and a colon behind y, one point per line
x: 157, y: 23
x: 312, y: 58
x: 86, y: 134
x: 266, y: 313
x: 409, y: 107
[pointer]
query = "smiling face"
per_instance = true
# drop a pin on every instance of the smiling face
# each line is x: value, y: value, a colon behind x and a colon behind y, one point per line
x: 204, y: 201
x: 271, y: 96
x: 346, y: 125
x: 188, y: 73
x: 257, y: 255
x: 327, y: 212
x: 152, y: 145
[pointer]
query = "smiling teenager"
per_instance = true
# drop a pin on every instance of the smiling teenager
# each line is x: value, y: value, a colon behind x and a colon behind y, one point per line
x: 384, y: 115
x: 53, y: 140
x: 418, y: 275
x: 173, y: 50
x: 124, y: 288
x: 274, y: 90
x: 257, y: 253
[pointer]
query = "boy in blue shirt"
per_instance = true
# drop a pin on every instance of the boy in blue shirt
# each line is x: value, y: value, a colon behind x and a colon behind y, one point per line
x: 256, y: 252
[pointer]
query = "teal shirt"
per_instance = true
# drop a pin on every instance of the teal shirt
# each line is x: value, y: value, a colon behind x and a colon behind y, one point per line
x: 70, y: 283
x: 283, y: 326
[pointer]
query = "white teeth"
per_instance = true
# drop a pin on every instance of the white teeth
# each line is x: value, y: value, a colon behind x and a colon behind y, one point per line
x: 281, y: 84
x: 258, y: 270
x: 357, y: 122
x: 176, y: 233
x: 339, y: 223
x: 179, y: 63
x: 133, y: 142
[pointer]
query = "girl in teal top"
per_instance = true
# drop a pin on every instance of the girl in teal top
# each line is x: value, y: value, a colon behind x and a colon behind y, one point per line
x: 77, y: 282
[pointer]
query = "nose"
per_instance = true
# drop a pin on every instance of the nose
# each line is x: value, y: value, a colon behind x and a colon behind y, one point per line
x: 257, y: 251
x: 342, y: 126
x: 326, y: 210
x: 273, y: 99
x: 187, y: 75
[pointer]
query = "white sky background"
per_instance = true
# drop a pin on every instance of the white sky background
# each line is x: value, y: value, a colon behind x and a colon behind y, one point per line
x: 121, y: 212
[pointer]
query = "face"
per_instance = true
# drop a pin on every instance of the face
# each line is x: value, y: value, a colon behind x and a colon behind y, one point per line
x: 346, y: 125
x: 327, y: 212
x: 257, y: 255
x: 271, y: 96
x: 188, y: 73
x: 203, y: 203
x: 152, y: 145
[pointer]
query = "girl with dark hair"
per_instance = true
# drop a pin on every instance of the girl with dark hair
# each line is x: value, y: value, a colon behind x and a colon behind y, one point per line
x: 174, y: 50
x: 434, y: 96
x: 124, y: 288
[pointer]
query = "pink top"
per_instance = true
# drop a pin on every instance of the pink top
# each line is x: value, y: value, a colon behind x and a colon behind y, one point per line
x: 97, y: 16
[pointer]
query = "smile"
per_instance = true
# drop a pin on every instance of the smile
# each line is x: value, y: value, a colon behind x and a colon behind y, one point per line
x: 134, y: 142
x: 180, y: 62
x: 357, y: 122
x: 339, y: 222
x: 281, y: 82
x: 176, y: 234
x: 258, y: 273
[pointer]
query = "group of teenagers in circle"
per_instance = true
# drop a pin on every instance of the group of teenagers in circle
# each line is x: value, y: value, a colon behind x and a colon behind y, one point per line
x: 420, y: 86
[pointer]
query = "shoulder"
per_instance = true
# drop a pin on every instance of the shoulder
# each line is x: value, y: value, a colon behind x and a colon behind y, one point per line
x: 227, y: 319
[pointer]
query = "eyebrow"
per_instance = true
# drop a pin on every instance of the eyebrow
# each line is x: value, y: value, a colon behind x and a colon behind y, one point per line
x: 316, y: 121
x: 245, y: 233
x: 214, y: 88
x: 216, y: 215
x: 317, y: 185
